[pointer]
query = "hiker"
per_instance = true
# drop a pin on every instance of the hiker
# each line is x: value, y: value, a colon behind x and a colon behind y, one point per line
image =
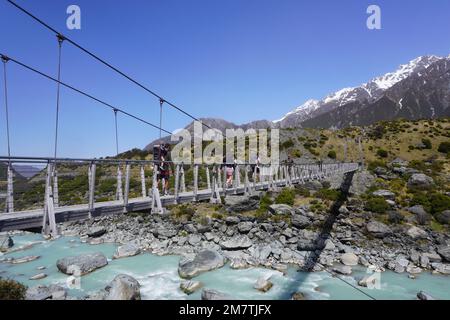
x: 229, y: 171
x: 255, y: 162
x: 164, y: 168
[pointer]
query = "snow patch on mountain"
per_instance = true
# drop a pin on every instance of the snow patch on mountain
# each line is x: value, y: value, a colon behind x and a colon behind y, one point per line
x: 370, y: 91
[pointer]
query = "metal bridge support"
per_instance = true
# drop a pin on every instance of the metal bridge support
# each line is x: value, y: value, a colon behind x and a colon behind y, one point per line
x: 91, y: 174
x: 177, y: 183
x: 208, y: 178
x: 156, y: 199
x: 247, y: 186
x: 127, y: 188
x: 143, y: 187
x: 10, y: 190
x: 182, y: 179
x: 119, y: 193
x: 49, y: 220
x: 55, y: 187
x: 195, y: 198
x: 215, y: 194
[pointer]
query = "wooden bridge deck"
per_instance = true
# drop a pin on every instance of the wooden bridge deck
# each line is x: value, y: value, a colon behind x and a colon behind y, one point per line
x: 22, y: 220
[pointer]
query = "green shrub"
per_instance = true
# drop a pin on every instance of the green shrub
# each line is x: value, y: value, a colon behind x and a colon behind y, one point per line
x: 444, y: 147
x: 304, y: 192
x: 439, y: 202
x: 287, y: 144
x: 382, y: 153
x: 376, y: 204
x: 332, y: 154
x: 427, y: 143
x: 12, y: 290
x: 328, y: 194
x: 286, y: 196
x: 264, y: 203
x: 377, y: 163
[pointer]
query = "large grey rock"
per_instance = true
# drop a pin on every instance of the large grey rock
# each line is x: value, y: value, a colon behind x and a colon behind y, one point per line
x: 208, y: 294
x: 281, y: 209
x: 6, y: 242
x: 236, y: 243
x: 96, y: 232
x: 245, y: 226
x: 417, y: 233
x: 42, y: 292
x: 420, y: 180
x: 127, y: 250
x: 443, y: 217
x: 263, y: 284
x: 378, y: 229
x: 421, y: 216
x: 190, y: 286
x: 204, y: 261
x: 349, y: 259
x: 230, y: 220
x: 123, y: 287
x: 84, y: 263
x: 344, y: 270
x: 362, y: 180
x: 241, y: 203
x: 422, y: 295
x: 444, y: 252
x: 300, y: 222
x: 385, y: 194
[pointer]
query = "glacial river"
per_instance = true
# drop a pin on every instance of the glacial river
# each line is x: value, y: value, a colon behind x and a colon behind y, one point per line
x: 159, y: 278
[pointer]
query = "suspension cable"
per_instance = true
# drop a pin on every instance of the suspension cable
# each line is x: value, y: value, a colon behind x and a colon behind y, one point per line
x: 83, y: 93
x: 60, y: 41
x: 5, y: 60
x: 161, y: 102
x: 117, y: 133
x: 105, y: 63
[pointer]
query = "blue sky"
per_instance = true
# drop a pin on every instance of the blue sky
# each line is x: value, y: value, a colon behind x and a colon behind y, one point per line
x: 240, y: 60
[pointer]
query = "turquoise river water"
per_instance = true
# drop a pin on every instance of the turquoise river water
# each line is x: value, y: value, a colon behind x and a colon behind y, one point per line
x: 159, y: 278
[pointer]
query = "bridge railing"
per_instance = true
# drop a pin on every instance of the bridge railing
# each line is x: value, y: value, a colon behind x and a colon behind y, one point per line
x: 27, y: 183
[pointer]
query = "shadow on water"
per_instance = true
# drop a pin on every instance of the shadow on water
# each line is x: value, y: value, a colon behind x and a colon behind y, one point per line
x: 318, y: 244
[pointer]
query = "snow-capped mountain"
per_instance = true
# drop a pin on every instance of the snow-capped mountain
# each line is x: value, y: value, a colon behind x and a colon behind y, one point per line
x: 366, y: 93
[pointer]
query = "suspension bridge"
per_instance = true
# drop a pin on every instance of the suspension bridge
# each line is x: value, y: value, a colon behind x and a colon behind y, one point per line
x: 191, y: 182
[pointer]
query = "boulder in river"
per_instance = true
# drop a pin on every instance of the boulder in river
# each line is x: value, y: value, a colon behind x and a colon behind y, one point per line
x: 263, y: 284
x: 38, y: 276
x: 208, y: 294
x: 422, y: 295
x: 123, y: 287
x: 204, y: 261
x: 6, y: 242
x: 190, y: 286
x: 127, y: 250
x: 344, y: 270
x: 84, y: 263
x: 237, y: 242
